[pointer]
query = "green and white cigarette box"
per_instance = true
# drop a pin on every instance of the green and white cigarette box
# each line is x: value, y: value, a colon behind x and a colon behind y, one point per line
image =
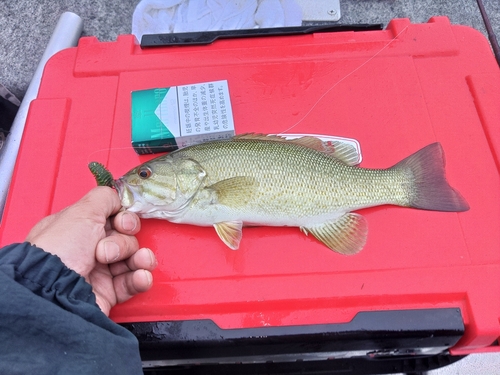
x: 164, y: 119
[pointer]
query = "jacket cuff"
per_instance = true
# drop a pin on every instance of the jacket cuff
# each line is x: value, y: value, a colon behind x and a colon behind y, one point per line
x: 46, y: 275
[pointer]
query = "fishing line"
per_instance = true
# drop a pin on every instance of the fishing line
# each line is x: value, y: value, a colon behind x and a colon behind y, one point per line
x: 106, y: 150
x: 344, y: 78
x: 312, y: 107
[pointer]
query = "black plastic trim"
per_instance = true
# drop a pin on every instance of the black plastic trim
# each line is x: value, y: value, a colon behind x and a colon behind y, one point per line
x: 351, y: 366
x: 373, y: 335
x: 207, y: 37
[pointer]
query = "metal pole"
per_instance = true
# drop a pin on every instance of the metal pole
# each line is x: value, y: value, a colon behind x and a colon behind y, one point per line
x: 66, y: 34
x: 489, y: 29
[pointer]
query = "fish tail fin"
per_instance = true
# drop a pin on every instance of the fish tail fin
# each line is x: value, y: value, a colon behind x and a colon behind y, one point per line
x: 429, y: 189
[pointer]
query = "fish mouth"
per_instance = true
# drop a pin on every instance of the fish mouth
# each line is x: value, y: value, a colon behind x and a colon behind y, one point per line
x: 129, y: 197
x: 119, y: 188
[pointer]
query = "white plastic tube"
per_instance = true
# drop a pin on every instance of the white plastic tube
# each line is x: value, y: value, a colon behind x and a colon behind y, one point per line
x: 66, y: 34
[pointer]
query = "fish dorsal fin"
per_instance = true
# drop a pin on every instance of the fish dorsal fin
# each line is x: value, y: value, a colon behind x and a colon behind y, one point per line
x: 306, y: 141
x: 344, y: 152
x: 337, y: 149
x: 346, y: 235
x: 257, y: 136
x: 230, y: 233
x: 235, y: 191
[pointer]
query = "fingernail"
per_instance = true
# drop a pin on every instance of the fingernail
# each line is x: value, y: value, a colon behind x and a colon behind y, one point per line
x: 149, y: 276
x: 152, y: 258
x: 128, y: 221
x: 111, y: 251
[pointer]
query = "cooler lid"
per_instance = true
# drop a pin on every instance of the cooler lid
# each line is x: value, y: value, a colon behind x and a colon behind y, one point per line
x: 394, y: 91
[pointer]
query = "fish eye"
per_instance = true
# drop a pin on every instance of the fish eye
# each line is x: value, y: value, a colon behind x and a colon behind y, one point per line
x: 144, y: 172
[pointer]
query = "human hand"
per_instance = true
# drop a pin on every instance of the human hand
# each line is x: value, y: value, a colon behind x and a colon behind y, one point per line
x: 99, y: 246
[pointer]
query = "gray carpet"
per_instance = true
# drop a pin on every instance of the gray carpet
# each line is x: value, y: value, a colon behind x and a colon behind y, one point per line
x: 27, y: 24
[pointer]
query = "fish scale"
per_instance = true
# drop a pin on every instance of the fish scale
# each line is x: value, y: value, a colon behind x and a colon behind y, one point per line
x: 289, y: 170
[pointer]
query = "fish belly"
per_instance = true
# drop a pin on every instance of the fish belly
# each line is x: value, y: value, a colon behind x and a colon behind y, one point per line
x: 221, y: 213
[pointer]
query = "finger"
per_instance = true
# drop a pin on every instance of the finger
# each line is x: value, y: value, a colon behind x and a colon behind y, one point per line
x: 116, y: 247
x: 143, y: 259
x: 131, y: 283
x: 126, y: 222
x: 98, y: 204
x: 101, y: 201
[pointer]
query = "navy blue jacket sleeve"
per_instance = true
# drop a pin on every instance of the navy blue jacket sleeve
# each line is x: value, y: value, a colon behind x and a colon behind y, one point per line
x: 50, y: 322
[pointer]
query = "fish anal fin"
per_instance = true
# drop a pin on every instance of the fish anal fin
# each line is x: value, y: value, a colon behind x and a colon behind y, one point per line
x: 230, y: 233
x: 235, y: 191
x: 346, y: 235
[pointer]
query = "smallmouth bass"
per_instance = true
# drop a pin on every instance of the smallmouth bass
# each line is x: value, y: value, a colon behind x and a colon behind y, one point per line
x: 255, y: 179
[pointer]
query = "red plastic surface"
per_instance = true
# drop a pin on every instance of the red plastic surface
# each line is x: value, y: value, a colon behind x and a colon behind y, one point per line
x: 394, y: 91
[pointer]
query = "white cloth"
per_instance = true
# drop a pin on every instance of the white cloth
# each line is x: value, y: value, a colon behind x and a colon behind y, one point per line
x: 177, y: 16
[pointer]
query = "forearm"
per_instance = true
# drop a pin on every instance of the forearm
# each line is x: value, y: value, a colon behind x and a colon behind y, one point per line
x: 50, y: 322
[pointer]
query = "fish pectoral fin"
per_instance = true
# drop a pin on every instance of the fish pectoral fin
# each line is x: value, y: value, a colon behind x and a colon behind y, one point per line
x: 230, y: 233
x: 235, y: 191
x: 346, y: 235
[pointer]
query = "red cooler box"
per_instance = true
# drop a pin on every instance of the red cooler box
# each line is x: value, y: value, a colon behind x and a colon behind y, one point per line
x: 426, y: 285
